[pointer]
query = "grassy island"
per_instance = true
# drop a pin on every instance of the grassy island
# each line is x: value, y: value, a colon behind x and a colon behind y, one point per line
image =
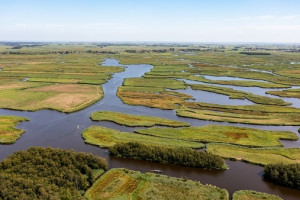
x: 8, y: 133
x: 126, y: 184
x: 134, y: 120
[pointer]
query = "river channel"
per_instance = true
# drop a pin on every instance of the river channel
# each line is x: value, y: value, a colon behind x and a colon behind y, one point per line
x: 55, y: 129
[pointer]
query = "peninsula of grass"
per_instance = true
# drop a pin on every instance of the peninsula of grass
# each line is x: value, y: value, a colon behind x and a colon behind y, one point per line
x: 134, y: 120
x: 9, y: 134
x: 291, y: 93
x: 61, y: 97
x: 259, y: 156
x: 168, y: 155
x: 253, y: 195
x: 223, y: 134
x: 237, y: 94
x: 283, y: 174
x: 47, y: 173
x: 126, y: 184
x: 151, y: 97
x: 106, y: 137
x: 238, y: 83
x: 161, y: 83
x: 249, y: 114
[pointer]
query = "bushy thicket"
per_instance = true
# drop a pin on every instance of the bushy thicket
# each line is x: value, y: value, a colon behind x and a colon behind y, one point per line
x: 47, y: 173
x: 255, y: 53
x: 177, y: 156
x: 288, y: 175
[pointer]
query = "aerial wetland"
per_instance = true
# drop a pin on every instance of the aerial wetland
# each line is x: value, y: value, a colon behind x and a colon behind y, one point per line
x: 209, y: 121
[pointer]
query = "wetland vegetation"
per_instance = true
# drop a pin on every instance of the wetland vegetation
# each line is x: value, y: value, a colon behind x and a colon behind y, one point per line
x: 106, y: 137
x: 259, y: 156
x: 47, y: 173
x: 253, y: 195
x: 283, y: 174
x: 70, y: 77
x: 168, y: 155
x: 134, y: 120
x: 8, y: 131
x: 128, y: 184
x: 223, y: 134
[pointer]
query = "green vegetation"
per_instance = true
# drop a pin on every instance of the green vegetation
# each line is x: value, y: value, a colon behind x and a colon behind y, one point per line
x: 253, y: 195
x: 238, y: 83
x: 46, y: 173
x: 152, y: 92
x: 237, y: 94
x: 8, y: 133
x: 167, y: 155
x: 223, y: 134
x: 256, y: 53
x: 293, y: 93
x: 154, y: 83
x: 288, y: 175
x: 260, y: 156
x: 134, y: 120
x: 61, y: 97
x: 126, y: 184
x: 249, y: 114
x: 106, y: 137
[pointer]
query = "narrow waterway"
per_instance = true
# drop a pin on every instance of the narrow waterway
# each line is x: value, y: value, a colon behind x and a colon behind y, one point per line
x: 56, y: 129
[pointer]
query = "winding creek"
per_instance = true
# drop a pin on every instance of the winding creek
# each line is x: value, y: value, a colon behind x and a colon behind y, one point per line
x: 56, y: 129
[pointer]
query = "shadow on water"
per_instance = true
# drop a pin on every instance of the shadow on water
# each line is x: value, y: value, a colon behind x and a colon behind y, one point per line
x: 56, y: 129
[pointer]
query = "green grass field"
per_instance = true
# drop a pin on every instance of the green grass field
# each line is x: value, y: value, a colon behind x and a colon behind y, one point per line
x: 126, y: 184
x: 249, y: 114
x: 106, y: 137
x: 253, y: 195
x: 259, y: 156
x: 223, y: 134
x: 134, y: 120
x: 8, y: 132
x: 293, y: 93
x: 46, y: 80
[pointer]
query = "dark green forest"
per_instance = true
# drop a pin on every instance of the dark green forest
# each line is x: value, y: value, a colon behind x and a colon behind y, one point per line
x: 288, y: 175
x: 47, y: 173
x: 176, y: 156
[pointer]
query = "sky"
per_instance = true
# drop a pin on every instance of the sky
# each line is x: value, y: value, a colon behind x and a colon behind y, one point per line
x: 275, y: 21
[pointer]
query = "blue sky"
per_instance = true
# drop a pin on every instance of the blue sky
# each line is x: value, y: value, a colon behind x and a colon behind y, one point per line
x: 145, y: 20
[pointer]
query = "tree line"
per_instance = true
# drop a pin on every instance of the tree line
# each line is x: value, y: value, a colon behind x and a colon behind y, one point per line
x: 47, y: 173
x: 288, y: 175
x: 167, y: 155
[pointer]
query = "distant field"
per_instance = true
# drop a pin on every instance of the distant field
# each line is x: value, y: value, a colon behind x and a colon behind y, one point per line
x: 8, y: 132
x: 64, y: 82
x: 260, y: 156
x: 223, y: 134
x: 106, y: 137
x: 126, y: 184
x: 134, y: 120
